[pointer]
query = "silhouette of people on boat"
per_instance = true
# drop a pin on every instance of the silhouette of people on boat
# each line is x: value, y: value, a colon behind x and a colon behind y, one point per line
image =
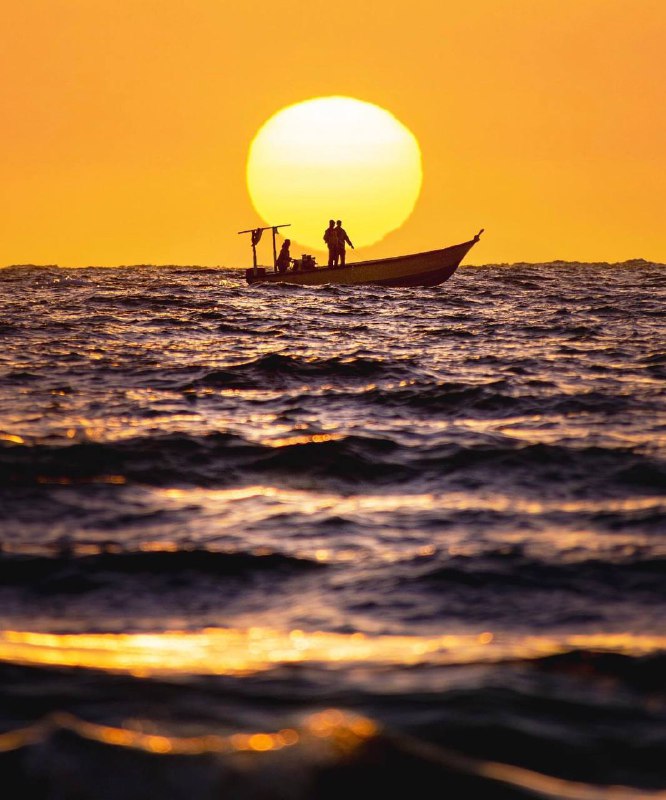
x: 336, y: 239
x: 284, y: 258
x: 331, y: 239
x: 341, y: 241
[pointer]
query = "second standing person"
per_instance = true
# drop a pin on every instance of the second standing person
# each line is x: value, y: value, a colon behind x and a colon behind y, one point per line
x: 342, y: 240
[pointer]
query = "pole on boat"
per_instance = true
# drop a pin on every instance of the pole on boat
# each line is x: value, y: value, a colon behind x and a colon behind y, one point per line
x: 256, y: 236
x: 254, y: 252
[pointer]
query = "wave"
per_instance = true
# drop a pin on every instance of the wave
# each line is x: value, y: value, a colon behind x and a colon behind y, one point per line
x: 539, y: 727
x: 275, y: 370
x: 70, y: 572
x: 511, y: 569
x: 221, y: 458
x: 154, y: 460
x: 460, y: 397
x: 328, y: 754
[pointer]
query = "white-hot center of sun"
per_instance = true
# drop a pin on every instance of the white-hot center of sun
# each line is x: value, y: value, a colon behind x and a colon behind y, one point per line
x: 334, y: 158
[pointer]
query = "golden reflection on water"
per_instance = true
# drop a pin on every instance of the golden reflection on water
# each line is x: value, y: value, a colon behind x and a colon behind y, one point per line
x: 257, y: 503
x: 341, y: 733
x: 369, y: 503
x: 128, y: 736
x: 286, y: 441
x: 345, y: 731
x: 11, y: 438
x: 231, y: 651
x: 117, y: 480
x: 331, y: 732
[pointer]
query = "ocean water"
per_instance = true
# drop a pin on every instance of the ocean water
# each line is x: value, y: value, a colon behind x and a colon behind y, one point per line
x: 288, y: 543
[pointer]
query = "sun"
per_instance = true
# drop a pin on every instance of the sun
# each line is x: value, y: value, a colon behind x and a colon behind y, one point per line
x: 334, y: 158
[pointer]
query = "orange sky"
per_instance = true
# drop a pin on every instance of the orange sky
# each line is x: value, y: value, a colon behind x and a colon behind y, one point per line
x: 126, y: 123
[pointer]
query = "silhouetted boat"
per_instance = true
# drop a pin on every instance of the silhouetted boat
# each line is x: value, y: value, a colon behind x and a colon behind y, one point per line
x: 419, y: 269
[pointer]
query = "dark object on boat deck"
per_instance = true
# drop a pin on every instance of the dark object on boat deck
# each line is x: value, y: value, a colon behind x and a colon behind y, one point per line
x: 306, y: 263
x: 419, y: 269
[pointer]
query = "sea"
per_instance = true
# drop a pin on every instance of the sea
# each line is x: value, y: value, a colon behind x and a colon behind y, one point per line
x: 310, y: 543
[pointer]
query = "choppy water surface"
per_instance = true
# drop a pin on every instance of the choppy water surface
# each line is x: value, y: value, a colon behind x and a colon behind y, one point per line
x: 282, y: 542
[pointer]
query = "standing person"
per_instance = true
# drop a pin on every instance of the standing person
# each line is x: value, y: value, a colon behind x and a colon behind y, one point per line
x: 342, y: 239
x: 331, y: 239
x: 284, y: 259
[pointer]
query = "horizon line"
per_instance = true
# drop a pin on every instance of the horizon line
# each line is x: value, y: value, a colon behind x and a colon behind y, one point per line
x: 27, y: 265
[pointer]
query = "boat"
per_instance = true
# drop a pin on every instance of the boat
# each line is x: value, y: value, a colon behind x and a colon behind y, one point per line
x: 418, y: 269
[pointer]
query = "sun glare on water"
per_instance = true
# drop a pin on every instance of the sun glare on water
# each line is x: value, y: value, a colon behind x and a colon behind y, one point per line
x: 334, y: 158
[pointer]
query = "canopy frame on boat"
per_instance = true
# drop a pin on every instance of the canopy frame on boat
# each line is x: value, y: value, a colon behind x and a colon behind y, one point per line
x: 256, y: 237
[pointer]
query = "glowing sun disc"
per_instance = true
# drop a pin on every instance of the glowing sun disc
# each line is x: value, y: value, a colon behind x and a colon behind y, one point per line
x: 334, y: 158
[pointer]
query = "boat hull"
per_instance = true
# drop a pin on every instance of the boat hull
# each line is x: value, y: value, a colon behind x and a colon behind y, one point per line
x: 418, y: 269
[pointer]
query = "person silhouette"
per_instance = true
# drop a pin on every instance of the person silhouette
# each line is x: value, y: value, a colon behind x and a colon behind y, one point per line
x: 284, y: 259
x: 342, y: 239
x: 331, y: 239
